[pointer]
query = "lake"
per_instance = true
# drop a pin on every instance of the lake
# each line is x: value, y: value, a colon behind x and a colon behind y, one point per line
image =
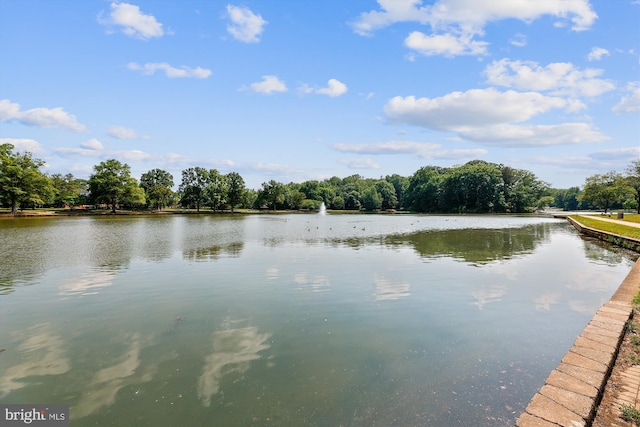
x: 290, y: 320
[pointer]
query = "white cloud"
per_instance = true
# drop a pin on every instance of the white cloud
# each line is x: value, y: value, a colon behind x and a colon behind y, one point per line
x: 444, y: 44
x: 561, y: 78
x: 364, y: 163
x: 489, y: 116
x: 455, y: 23
x: 245, y: 25
x: 121, y: 132
x: 334, y: 88
x: 134, y: 23
x: 92, y: 144
x: 597, y: 53
x: 630, y: 103
x: 39, y: 117
x: 269, y: 85
x: 420, y: 149
x: 519, y: 40
x: 270, y: 168
x: 24, y: 144
x: 473, y: 108
x: 170, y: 71
x: 509, y: 135
x: 470, y: 16
x: 389, y: 147
x: 617, y: 154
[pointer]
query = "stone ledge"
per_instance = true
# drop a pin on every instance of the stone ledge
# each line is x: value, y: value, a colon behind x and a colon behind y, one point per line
x: 573, y: 390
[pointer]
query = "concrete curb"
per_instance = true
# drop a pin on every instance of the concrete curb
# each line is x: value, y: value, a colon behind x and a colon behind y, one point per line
x: 616, y: 239
x: 574, y: 389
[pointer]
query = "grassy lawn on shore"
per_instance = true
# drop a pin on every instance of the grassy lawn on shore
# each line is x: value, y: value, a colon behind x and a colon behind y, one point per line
x: 610, y: 227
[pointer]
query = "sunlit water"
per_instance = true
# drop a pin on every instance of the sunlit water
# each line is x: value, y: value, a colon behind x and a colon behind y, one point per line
x: 290, y: 320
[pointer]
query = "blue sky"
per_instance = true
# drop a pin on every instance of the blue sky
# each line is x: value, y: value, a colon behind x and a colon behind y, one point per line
x: 294, y: 90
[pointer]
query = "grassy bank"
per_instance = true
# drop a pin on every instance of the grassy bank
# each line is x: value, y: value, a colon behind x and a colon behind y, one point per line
x: 611, y: 227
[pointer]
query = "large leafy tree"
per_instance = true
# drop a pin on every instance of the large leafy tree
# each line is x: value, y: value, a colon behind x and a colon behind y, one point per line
x: 192, y: 189
x: 371, y: 199
x: 235, y: 189
x: 216, y: 190
x: 68, y: 189
x: 633, y: 180
x: 604, y: 190
x: 424, y: 192
x: 522, y: 190
x: 111, y: 183
x: 21, y: 180
x: 273, y: 192
x: 387, y: 192
x: 474, y: 187
x: 157, y: 184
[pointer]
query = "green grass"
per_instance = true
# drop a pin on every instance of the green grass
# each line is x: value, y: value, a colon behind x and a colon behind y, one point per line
x: 610, y: 227
x: 631, y: 217
x: 630, y: 414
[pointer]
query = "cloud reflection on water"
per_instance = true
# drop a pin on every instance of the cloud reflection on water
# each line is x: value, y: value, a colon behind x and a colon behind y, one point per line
x: 103, y: 388
x: 41, y: 353
x: 87, y: 284
x: 388, y: 290
x: 233, y: 351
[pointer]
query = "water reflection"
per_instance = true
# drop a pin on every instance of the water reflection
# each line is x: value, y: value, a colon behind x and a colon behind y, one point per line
x: 233, y: 351
x: 318, y: 283
x: 104, y: 386
x: 488, y: 295
x: 213, y: 253
x: 389, y: 290
x: 87, y: 283
x: 41, y: 353
x: 477, y: 246
x: 545, y: 301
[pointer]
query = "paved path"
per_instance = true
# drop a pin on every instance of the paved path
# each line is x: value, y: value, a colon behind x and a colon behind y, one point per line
x: 616, y: 221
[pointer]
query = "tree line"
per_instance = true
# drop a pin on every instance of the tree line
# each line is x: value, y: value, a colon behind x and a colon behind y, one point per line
x: 475, y: 187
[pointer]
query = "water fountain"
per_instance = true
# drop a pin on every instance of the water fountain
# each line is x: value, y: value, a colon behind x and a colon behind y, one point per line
x: 323, y: 209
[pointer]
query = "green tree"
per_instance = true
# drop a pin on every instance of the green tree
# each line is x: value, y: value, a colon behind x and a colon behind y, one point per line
x: 371, y: 199
x: 216, y: 190
x: 296, y: 198
x: 67, y: 190
x: 522, y: 190
x: 604, y: 190
x: 337, y: 202
x: 567, y: 199
x: 111, y: 182
x: 157, y: 184
x: 474, y: 187
x: 235, y: 189
x: 134, y: 195
x: 424, y: 191
x: 633, y: 180
x: 21, y: 181
x: 192, y: 189
x: 400, y: 185
x: 387, y: 192
x: 273, y: 193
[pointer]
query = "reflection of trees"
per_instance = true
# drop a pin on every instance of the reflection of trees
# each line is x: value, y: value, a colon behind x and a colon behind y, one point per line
x: 41, y: 353
x: 233, y: 352
x: 213, y: 253
x: 602, y: 252
x: 475, y: 245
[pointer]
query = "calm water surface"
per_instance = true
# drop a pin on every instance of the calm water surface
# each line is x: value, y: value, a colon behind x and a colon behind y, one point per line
x: 336, y: 320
